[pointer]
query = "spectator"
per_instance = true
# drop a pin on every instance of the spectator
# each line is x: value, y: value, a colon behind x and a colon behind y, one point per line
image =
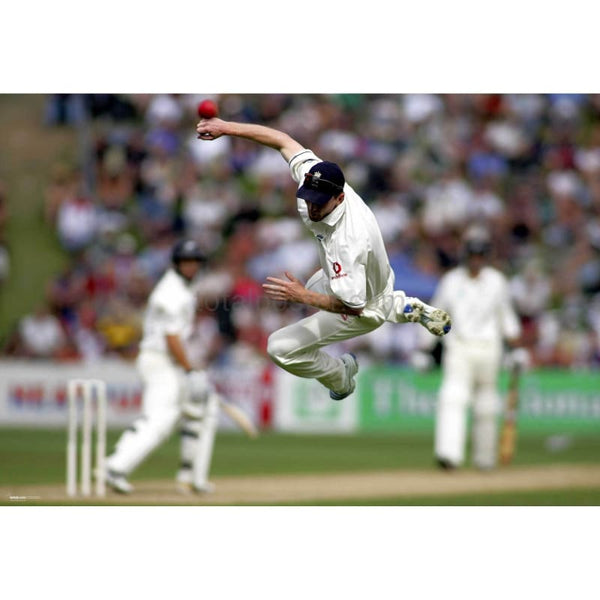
x: 41, y: 335
x: 530, y: 291
x: 121, y: 328
x: 76, y: 223
x: 65, y: 184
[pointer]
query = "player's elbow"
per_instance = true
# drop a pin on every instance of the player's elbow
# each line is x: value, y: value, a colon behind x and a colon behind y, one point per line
x: 349, y: 302
x: 289, y: 147
x: 352, y: 312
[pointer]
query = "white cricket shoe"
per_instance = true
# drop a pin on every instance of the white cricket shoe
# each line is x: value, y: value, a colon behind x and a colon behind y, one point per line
x: 187, y: 489
x: 206, y: 488
x: 351, y: 365
x: 118, y: 482
x: 435, y: 320
x: 185, y: 483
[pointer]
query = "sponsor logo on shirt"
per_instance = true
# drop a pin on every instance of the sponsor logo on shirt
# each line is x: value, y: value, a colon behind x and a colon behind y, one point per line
x: 337, y: 269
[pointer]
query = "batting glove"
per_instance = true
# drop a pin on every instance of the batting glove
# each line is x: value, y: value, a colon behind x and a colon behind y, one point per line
x: 518, y: 358
x: 421, y: 361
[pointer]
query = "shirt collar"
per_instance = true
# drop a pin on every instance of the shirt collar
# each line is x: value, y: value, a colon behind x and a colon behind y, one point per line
x: 182, y: 279
x: 335, y: 215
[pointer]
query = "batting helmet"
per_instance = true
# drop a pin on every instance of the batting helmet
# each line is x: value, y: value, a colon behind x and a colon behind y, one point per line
x: 477, y: 247
x: 186, y: 250
x: 477, y: 242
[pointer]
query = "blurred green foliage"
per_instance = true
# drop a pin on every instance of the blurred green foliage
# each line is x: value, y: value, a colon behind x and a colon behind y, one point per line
x: 28, y: 152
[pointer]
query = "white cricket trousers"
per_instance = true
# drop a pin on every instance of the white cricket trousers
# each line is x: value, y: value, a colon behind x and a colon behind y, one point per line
x: 164, y: 392
x: 297, y: 347
x: 469, y: 381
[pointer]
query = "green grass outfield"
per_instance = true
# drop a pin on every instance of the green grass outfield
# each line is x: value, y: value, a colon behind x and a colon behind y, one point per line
x: 37, y: 456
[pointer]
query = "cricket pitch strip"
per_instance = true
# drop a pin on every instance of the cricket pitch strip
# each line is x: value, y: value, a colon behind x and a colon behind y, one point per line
x: 356, y: 486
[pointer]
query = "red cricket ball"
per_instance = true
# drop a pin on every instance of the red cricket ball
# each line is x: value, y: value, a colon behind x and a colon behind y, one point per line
x: 207, y: 109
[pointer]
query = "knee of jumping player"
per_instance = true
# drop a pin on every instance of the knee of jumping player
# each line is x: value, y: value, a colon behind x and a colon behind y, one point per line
x: 280, y: 348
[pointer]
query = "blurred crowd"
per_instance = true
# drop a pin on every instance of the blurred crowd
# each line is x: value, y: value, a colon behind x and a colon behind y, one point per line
x: 4, y: 254
x: 526, y: 166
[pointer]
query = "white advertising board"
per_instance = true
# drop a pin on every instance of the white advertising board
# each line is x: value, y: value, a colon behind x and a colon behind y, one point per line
x: 34, y: 393
x: 304, y: 406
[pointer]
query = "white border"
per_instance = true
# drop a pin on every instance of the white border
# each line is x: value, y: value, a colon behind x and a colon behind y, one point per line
x: 333, y: 46
x: 435, y: 46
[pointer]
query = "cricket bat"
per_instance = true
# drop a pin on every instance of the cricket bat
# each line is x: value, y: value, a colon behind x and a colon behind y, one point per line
x: 508, y: 434
x: 239, y: 417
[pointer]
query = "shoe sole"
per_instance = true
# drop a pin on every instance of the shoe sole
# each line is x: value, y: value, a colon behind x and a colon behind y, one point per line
x: 335, y: 396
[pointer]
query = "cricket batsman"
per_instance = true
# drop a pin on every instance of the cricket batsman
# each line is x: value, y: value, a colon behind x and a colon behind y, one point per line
x: 174, y: 392
x: 477, y: 296
x: 353, y: 290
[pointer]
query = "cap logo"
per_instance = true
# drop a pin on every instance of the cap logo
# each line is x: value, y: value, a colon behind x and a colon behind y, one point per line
x: 315, y: 181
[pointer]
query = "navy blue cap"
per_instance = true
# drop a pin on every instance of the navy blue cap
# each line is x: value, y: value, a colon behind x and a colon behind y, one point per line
x: 323, y: 181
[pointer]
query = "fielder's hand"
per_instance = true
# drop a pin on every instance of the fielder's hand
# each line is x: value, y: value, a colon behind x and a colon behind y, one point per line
x: 286, y: 291
x: 210, y: 129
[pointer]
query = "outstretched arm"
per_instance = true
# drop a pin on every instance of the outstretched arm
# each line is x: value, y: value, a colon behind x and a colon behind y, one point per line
x: 211, y: 129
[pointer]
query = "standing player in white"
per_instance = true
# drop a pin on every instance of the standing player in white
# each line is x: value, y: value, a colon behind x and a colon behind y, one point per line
x: 173, y: 391
x: 354, y: 289
x: 477, y: 297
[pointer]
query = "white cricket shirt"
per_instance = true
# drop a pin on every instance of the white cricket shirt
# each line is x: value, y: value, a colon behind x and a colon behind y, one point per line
x: 480, y: 307
x: 351, y: 249
x: 170, y: 311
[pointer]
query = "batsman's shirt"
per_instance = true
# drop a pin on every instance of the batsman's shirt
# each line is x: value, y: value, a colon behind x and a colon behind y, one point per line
x: 480, y: 307
x: 351, y: 249
x: 170, y: 311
